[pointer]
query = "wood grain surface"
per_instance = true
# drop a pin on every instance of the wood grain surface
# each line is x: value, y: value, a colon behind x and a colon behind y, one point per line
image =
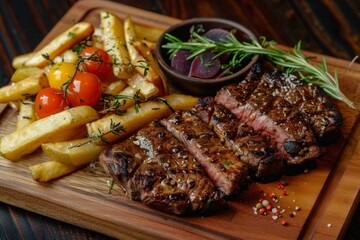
x: 284, y: 21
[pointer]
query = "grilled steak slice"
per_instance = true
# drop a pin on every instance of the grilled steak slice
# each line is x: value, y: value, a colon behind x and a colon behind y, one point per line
x: 253, y: 149
x: 152, y: 184
x: 312, y: 103
x: 225, y: 170
x: 180, y: 166
x: 143, y: 178
x: 121, y: 161
x: 261, y: 108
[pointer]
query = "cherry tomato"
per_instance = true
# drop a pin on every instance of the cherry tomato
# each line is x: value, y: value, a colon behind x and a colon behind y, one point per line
x: 85, y: 89
x: 97, y: 61
x: 60, y: 73
x: 50, y: 101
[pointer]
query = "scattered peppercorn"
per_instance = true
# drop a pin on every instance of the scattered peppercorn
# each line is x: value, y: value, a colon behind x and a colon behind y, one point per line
x: 284, y: 223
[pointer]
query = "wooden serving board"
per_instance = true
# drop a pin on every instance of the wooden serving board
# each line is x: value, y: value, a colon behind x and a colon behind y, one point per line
x: 327, y: 195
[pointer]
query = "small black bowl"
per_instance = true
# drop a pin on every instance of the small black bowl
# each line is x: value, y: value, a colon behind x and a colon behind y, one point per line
x: 199, y: 86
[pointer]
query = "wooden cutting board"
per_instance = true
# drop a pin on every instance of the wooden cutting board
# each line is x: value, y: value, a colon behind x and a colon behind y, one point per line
x: 326, y: 195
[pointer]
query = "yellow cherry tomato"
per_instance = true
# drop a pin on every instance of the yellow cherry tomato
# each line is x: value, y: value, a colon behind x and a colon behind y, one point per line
x: 60, y: 73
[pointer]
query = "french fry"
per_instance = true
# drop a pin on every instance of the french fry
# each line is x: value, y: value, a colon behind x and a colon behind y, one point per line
x: 77, y: 152
x: 70, y: 134
x: 151, y: 45
x: 25, y: 140
x: 145, y: 51
x: 147, y: 33
x: 139, y: 82
x: 139, y: 62
x: 128, y: 91
x: 115, y: 87
x: 114, y: 43
x: 67, y: 56
x: 27, y: 113
x: 22, y: 73
x: 46, y: 171
x: 25, y: 88
x: 19, y: 61
x: 61, y: 43
x: 133, y: 120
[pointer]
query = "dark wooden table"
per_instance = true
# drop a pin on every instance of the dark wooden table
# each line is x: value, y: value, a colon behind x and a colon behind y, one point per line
x: 330, y: 27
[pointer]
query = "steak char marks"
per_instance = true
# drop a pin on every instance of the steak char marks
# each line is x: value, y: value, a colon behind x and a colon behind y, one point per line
x: 222, y: 166
x: 263, y: 103
x: 180, y: 165
x: 192, y: 160
x: 253, y: 149
x: 155, y: 168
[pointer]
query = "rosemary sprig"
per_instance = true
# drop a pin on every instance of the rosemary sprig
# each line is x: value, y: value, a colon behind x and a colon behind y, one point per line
x: 294, y: 62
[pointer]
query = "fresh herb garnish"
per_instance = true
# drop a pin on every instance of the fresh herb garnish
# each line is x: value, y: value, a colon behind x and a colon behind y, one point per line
x: 71, y: 35
x: 294, y: 62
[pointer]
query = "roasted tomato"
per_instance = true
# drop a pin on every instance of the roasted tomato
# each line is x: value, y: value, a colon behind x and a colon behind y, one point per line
x: 85, y: 89
x: 96, y: 61
x: 50, y: 101
x: 60, y: 73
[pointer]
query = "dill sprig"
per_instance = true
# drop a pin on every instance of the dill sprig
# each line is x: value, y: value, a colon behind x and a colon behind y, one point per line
x: 294, y: 62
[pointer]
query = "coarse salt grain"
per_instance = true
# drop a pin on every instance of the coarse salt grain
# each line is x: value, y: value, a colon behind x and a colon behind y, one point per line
x: 329, y: 225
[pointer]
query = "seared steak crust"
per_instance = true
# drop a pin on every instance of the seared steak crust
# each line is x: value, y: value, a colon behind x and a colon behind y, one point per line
x: 252, y: 148
x: 264, y: 109
x: 143, y: 179
x: 180, y: 166
x: 155, y: 168
x: 225, y: 170
x: 312, y: 103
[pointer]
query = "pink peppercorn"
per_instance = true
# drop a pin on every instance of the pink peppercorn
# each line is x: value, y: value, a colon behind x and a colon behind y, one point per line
x: 284, y: 223
x: 262, y: 211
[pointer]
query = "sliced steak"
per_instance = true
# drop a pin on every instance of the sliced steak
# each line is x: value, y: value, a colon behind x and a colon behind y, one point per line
x: 225, y: 170
x: 252, y: 148
x: 312, y: 103
x: 152, y: 184
x: 121, y: 161
x: 261, y: 108
x: 143, y: 178
x: 180, y: 166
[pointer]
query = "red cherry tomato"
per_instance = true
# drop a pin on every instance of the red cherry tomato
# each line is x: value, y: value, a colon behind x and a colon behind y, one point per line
x: 50, y: 101
x: 96, y: 61
x: 85, y: 89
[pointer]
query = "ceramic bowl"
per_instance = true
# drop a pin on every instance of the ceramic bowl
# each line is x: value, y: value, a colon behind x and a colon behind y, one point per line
x: 198, y: 86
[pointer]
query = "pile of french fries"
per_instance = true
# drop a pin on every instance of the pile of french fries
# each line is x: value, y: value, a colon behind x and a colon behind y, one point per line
x: 67, y: 138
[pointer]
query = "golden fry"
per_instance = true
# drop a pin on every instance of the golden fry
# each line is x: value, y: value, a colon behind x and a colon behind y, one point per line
x: 25, y: 88
x: 114, y: 43
x: 77, y: 152
x: 145, y: 51
x: 132, y: 120
x: 27, y: 113
x: 22, y: 73
x: 25, y: 140
x: 61, y: 43
x: 46, y: 171
x: 115, y: 87
x: 139, y: 62
x: 147, y: 33
x: 19, y: 61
